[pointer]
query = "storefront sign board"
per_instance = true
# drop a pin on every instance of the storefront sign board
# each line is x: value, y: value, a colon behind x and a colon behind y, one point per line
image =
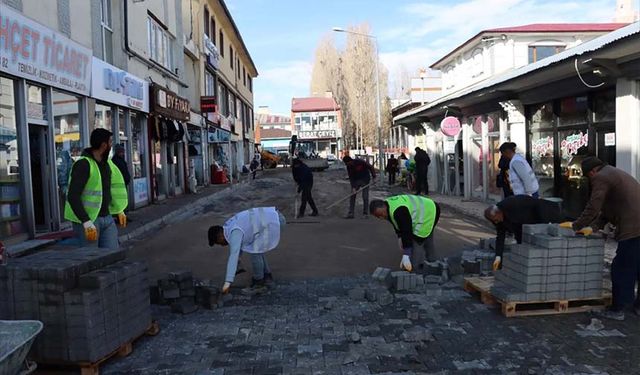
x: 140, y: 190
x: 116, y: 86
x: 167, y: 103
x: 35, y: 52
x: 477, y: 125
x: 572, y: 143
x: 315, y: 134
x: 208, y: 104
x: 450, y: 126
x: 542, y: 147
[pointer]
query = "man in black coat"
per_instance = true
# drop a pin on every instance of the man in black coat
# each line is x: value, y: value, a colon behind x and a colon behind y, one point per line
x: 422, y: 166
x: 120, y: 162
x: 303, y: 176
x: 510, y: 214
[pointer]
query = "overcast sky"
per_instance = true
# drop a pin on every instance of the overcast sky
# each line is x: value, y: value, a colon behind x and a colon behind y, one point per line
x: 282, y: 34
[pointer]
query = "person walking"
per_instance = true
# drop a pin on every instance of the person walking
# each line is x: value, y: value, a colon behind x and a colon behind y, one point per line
x: 422, y: 167
x: 303, y: 176
x: 521, y: 176
x: 360, y: 174
x: 255, y: 231
x: 414, y: 219
x: 510, y: 214
x: 97, y: 191
x: 392, y: 169
x: 502, y: 179
x: 120, y: 161
x: 614, y: 199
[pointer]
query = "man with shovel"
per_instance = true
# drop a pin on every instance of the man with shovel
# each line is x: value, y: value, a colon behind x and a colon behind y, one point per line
x: 360, y: 174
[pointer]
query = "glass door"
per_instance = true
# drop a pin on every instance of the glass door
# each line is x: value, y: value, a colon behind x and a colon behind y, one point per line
x: 39, y: 141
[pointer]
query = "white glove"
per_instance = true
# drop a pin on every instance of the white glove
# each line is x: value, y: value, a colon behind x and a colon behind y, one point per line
x: 405, y: 264
x: 225, y: 287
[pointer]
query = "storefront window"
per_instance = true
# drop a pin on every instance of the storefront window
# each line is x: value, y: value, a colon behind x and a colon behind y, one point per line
x: 123, y: 140
x: 573, y: 110
x: 10, y: 203
x: 604, y: 106
x: 102, y: 118
x: 67, y: 140
x: 542, y: 116
x: 542, y: 150
x: 36, y: 108
x: 137, y: 145
x: 574, y: 189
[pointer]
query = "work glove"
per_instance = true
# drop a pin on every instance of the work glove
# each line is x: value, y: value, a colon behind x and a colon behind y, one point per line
x: 586, y: 231
x: 90, y: 231
x: 122, y: 219
x: 405, y: 264
x: 496, y: 263
x: 566, y: 225
x: 225, y: 287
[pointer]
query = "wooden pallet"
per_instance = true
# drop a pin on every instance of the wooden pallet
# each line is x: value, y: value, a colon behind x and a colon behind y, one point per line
x: 482, y: 286
x: 93, y: 368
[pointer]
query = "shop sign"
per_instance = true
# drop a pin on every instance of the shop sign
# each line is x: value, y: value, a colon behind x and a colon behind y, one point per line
x: 449, y: 146
x: 208, y: 104
x: 313, y: 134
x: 213, y: 56
x: 217, y: 135
x: 572, y: 143
x: 450, y: 126
x: 116, y: 86
x: 35, y: 52
x: 477, y: 125
x: 140, y: 190
x: 542, y: 147
x: 610, y: 139
x: 167, y: 103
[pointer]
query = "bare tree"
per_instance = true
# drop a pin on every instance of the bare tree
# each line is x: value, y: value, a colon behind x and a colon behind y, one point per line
x: 401, y: 86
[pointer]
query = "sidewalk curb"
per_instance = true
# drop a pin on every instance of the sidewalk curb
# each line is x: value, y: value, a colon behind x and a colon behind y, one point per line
x: 175, y: 216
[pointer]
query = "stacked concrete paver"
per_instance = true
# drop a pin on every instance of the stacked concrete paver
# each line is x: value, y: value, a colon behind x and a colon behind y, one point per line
x: 551, y: 264
x: 91, y: 301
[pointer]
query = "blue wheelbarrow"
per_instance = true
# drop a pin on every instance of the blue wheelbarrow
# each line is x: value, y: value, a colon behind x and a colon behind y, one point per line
x: 16, y: 337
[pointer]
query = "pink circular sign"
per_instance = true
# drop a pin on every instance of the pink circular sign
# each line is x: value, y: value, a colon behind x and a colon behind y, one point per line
x: 477, y: 125
x: 450, y: 126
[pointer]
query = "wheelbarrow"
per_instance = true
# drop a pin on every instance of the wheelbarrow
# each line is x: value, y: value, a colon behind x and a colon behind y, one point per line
x: 16, y: 337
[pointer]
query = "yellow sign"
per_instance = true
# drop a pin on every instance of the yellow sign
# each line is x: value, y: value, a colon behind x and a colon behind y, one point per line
x: 67, y: 137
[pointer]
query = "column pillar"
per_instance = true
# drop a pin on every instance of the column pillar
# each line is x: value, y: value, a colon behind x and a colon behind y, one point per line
x: 628, y: 126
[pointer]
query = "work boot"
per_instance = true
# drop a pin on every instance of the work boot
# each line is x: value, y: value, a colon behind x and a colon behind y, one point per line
x: 257, y: 287
x: 610, y: 314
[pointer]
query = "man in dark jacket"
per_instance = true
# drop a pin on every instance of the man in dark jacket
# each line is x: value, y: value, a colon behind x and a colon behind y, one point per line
x: 303, y: 176
x: 422, y: 167
x: 614, y: 199
x: 392, y: 169
x: 511, y: 213
x: 360, y: 174
x: 119, y: 160
x: 502, y: 180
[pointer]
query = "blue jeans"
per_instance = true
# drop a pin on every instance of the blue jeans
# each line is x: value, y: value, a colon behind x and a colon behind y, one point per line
x: 625, y: 272
x: 107, y: 234
x: 259, y: 261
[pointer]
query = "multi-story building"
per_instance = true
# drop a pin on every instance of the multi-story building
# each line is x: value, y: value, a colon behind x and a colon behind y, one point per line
x: 273, y: 132
x: 319, y: 120
x: 220, y: 71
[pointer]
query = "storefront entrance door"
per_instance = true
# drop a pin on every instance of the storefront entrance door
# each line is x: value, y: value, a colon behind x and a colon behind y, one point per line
x: 39, y: 150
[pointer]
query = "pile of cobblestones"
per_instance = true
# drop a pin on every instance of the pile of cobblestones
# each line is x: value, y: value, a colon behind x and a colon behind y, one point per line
x: 185, y: 294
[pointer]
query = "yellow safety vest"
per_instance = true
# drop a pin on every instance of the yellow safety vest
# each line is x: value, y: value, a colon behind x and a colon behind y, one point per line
x: 92, y: 193
x: 421, y: 209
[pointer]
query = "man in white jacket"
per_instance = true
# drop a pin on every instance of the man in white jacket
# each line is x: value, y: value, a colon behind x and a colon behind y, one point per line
x: 255, y: 231
x: 522, y: 178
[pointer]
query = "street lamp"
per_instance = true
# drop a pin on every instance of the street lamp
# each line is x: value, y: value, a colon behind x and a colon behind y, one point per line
x: 379, y: 116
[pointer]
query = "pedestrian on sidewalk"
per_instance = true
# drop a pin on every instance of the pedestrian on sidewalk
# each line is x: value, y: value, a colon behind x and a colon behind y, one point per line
x: 303, y: 176
x: 422, y: 168
x: 614, y: 199
x: 510, y: 214
x: 360, y: 175
x: 414, y: 219
x: 96, y: 192
x: 502, y: 179
x: 253, y: 167
x: 392, y: 169
x: 255, y: 231
x: 521, y: 177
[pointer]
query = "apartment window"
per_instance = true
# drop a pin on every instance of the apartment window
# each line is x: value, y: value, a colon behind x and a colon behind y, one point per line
x: 222, y: 100
x: 159, y: 43
x: 206, y: 23
x: 221, y: 37
x: 244, y: 76
x: 231, y: 57
x: 107, y: 30
x: 213, y: 31
x: 238, y: 70
x: 250, y: 83
x: 209, y: 84
x: 537, y: 53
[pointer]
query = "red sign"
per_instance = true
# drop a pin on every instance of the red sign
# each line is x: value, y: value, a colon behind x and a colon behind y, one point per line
x: 208, y: 104
x: 450, y: 126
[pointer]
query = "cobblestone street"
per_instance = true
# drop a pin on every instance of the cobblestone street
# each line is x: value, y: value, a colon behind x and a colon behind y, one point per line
x: 314, y: 327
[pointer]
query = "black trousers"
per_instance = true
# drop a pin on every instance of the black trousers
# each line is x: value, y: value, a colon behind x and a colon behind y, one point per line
x: 625, y: 273
x: 307, y: 198
x: 421, y: 183
x: 392, y: 178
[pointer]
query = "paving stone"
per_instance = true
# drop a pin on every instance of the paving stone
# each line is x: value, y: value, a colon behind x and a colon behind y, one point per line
x: 357, y: 294
x: 535, y: 228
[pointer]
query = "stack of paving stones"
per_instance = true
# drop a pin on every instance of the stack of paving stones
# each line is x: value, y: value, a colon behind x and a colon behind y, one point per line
x: 91, y: 301
x: 479, y: 261
x: 177, y: 290
x: 551, y: 264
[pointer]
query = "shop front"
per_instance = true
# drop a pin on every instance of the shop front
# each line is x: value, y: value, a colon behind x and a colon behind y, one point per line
x: 561, y: 134
x: 115, y: 91
x: 324, y: 142
x: 220, y: 148
x: 44, y: 84
x: 168, y: 152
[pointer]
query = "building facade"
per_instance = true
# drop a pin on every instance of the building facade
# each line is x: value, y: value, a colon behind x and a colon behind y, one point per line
x: 319, y: 121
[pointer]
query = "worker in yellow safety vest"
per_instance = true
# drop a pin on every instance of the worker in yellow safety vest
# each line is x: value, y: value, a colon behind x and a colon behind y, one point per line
x: 414, y: 219
x: 97, y: 192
